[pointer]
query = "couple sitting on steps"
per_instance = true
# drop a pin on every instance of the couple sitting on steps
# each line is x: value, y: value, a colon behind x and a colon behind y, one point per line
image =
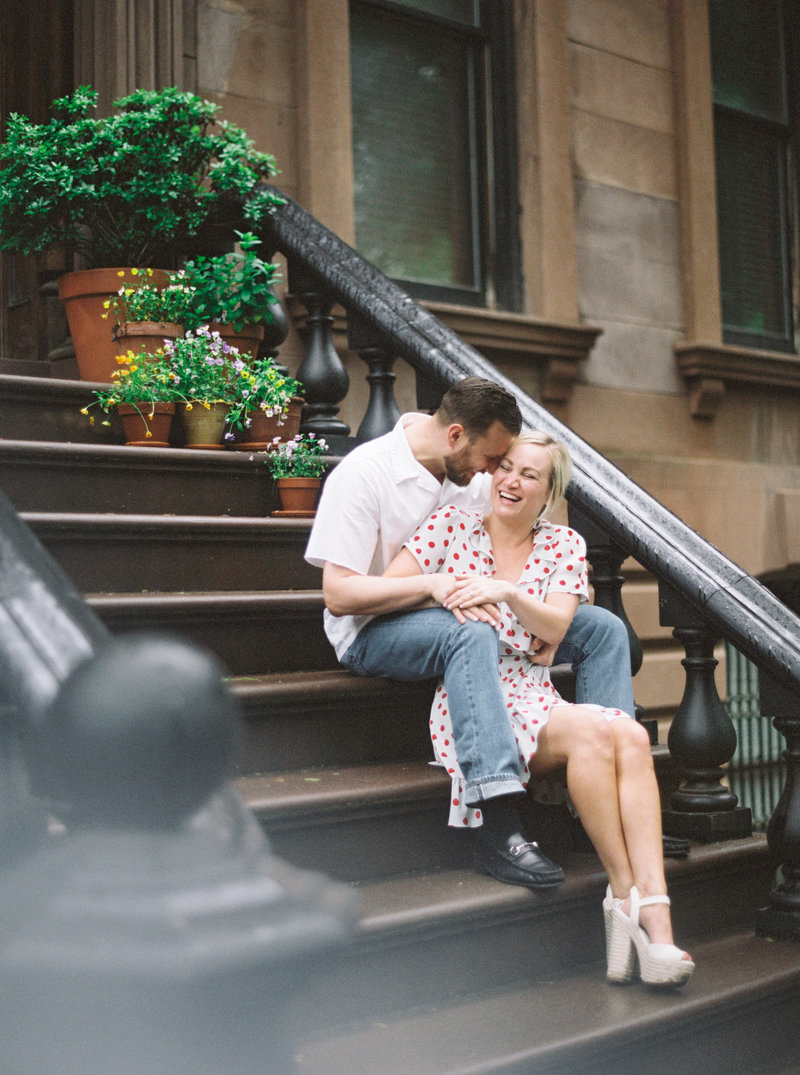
x: 439, y: 562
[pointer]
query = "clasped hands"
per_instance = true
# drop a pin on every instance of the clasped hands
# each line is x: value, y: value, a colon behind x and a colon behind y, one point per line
x: 477, y: 598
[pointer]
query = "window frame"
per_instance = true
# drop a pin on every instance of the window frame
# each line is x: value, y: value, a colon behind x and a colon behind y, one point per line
x: 494, y: 208
x: 782, y: 132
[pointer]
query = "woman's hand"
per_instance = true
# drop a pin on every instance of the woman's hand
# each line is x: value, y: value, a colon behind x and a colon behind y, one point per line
x: 477, y: 598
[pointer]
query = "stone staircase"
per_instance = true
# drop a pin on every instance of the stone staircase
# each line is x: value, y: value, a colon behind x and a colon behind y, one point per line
x: 449, y: 971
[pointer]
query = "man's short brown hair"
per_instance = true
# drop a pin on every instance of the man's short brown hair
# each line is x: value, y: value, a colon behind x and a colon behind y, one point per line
x: 477, y: 404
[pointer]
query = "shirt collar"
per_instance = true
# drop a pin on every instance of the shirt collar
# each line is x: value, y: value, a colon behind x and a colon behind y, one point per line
x: 405, y: 466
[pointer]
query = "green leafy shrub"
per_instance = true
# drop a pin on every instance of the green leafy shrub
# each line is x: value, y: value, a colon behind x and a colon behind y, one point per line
x: 130, y: 188
x: 235, y: 289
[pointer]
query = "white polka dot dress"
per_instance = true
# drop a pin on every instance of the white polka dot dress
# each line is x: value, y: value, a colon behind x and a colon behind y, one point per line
x: 455, y: 541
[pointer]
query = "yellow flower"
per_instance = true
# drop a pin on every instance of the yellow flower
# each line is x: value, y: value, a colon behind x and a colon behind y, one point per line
x: 121, y: 272
x: 148, y: 434
x: 207, y: 405
x: 188, y: 406
x: 91, y: 418
x: 84, y: 410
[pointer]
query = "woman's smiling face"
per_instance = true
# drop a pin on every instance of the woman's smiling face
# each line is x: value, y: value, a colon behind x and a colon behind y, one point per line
x: 521, y: 483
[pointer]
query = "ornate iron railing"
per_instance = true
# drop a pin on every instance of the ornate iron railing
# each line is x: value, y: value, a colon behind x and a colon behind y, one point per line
x: 703, y: 595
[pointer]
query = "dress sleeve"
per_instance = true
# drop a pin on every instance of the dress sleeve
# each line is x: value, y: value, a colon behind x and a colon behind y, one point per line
x: 569, y: 573
x: 433, y: 540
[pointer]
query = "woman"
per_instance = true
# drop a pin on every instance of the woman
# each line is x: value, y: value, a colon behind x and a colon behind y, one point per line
x: 527, y: 576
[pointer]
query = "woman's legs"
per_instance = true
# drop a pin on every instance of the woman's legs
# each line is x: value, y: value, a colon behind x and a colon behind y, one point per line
x: 640, y: 809
x: 612, y: 784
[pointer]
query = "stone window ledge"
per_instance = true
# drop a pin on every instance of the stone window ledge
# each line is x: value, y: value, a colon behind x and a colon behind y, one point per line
x: 709, y: 368
x: 556, y: 348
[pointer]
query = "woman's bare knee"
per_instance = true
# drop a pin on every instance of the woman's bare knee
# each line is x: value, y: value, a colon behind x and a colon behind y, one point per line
x: 587, y: 730
x: 631, y: 737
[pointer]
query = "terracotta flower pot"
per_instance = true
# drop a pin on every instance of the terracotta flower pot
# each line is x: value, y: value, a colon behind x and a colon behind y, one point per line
x: 147, y: 424
x: 147, y: 336
x: 298, y: 496
x: 263, y: 429
x: 246, y: 339
x: 204, y: 426
x: 83, y: 294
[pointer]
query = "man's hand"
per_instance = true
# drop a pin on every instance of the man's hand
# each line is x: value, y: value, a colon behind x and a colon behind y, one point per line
x: 543, y: 653
x: 474, y: 598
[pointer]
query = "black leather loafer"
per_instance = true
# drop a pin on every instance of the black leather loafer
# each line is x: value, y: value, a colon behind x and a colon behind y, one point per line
x: 517, y: 863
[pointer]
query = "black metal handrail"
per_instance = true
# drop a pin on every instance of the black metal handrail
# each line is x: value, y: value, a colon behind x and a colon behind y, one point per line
x: 724, y: 594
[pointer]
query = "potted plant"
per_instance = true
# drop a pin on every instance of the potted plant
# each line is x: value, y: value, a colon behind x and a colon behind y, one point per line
x: 130, y: 189
x: 144, y: 392
x: 267, y: 406
x: 206, y: 369
x: 297, y: 465
x: 148, y: 307
x: 233, y: 292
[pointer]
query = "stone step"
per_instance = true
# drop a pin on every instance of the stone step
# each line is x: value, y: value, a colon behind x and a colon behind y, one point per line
x: 359, y: 822
x: 251, y: 633
x: 374, y: 820
x: 478, y: 936
x: 98, y: 478
x: 737, y: 1014
x: 158, y: 553
x: 49, y: 409
x: 328, y: 719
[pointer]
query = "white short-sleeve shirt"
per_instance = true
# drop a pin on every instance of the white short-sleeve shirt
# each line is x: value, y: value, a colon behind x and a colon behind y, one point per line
x: 371, y: 504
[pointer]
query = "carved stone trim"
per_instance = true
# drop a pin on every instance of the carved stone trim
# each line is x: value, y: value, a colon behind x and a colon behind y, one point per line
x: 709, y: 368
x: 558, y: 348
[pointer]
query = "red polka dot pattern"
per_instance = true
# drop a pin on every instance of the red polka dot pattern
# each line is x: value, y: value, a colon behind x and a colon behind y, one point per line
x: 557, y: 563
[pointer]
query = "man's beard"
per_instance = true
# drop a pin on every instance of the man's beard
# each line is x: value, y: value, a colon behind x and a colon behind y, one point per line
x: 456, y: 471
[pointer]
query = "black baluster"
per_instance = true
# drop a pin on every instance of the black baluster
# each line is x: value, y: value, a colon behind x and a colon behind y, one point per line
x: 321, y: 372
x: 382, y: 412
x: 701, y: 738
x: 606, y: 558
x: 781, y: 918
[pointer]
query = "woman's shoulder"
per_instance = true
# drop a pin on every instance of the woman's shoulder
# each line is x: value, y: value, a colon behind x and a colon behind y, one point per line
x: 553, y: 534
x: 454, y: 515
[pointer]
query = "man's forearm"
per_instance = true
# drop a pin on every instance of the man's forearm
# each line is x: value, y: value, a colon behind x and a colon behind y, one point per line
x: 374, y: 595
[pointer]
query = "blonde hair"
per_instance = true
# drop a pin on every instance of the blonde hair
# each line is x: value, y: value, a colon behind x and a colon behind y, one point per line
x: 560, y: 464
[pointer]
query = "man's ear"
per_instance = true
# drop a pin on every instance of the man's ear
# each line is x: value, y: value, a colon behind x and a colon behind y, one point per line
x: 456, y: 436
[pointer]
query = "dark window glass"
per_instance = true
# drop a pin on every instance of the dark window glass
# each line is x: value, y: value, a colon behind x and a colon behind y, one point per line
x: 463, y: 11
x: 413, y: 138
x: 425, y: 80
x: 753, y: 145
x: 746, y: 42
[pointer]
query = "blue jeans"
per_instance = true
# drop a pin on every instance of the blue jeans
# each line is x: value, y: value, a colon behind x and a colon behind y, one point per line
x: 431, y: 644
x: 597, y: 647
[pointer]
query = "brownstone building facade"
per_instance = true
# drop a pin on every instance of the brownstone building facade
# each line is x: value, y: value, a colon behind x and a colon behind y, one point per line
x: 598, y: 194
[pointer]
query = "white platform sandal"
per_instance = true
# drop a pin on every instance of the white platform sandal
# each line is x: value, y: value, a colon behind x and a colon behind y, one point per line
x: 659, y: 964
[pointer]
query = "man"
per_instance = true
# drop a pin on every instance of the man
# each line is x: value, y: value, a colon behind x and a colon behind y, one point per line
x: 371, y: 504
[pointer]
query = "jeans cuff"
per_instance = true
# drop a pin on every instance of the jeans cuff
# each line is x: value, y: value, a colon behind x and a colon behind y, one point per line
x: 479, y: 791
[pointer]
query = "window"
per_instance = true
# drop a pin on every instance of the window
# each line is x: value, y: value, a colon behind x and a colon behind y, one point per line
x: 434, y: 147
x: 755, y: 85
